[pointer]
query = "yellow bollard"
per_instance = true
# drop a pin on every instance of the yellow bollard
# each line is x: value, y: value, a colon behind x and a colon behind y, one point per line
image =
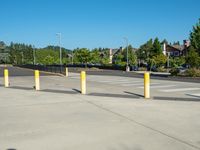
x: 6, y: 74
x: 146, y: 85
x: 37, y: 80
x: 67, y: 73
x: 83, y: 82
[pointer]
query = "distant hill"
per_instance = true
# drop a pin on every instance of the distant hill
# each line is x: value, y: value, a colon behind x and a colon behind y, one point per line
x: 57, y: 48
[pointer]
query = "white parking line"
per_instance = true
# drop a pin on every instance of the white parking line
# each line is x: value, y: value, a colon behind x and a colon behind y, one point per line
x: 139, y: 84
x: 125, y: 82
x: 180, y: 89
x: 158, y: 86
x: 194, y: 95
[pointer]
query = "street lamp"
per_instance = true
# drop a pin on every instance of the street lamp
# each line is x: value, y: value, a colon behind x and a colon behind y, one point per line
x: 59, y: 36
x: 127, y: 63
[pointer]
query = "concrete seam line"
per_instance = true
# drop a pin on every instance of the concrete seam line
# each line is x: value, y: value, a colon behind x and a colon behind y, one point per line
x: 141, y: 124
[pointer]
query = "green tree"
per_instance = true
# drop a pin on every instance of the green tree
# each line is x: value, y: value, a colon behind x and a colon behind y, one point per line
x: 164, y: 41
x: 156, y: 49
x: 151, y: 62
x: 195, y: 37
x: 177, y: 62
x: 119, y: 59
x: 82, y: 56
x: 47, y: 57
x: 160, y: 60
x: 193, y: 58
x: 132, y: 58
x: 95, y: 56
x: 144, y: 51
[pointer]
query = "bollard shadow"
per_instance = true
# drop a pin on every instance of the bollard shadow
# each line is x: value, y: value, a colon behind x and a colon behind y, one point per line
x: 58, y: 91
x: 176, y: 99
x: 21, y: 88
x: 135, y: 94
x: 112, y: 95
x: 76, y: 90
x: 11, y: 149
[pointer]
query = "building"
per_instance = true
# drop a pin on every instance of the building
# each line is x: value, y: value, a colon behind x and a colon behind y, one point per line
x: 176, y: 50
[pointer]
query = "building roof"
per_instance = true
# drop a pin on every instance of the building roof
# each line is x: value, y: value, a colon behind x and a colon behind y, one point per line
x: 178, y: 47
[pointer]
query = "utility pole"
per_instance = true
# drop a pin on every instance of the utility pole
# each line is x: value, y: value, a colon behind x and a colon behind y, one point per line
x: 127, y: 61
x: 72, y: 57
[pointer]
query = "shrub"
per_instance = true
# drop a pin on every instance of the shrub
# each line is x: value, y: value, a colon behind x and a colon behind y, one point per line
x: 161, y: 69
x: 142, y: 69
x: 174, y: 71
x: 193, y: 72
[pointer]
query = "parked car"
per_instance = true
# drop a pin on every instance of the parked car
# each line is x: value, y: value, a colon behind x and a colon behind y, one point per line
x: 134, y: 68
x: 181, y: 69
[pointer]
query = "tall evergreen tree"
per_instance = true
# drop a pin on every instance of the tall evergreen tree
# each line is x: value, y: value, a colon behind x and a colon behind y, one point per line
x: 195, y: 37
x: 192, y: 58
x: 144, y: 51
x: 157, y: 49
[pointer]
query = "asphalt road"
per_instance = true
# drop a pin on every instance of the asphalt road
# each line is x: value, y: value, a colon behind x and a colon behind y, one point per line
x: 137, y: 75
x: 119, y: 73
x: 16, y: 71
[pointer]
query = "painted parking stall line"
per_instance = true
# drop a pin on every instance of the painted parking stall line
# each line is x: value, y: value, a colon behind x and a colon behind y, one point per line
x: 195, y: 95
x: 158, y: 86
x: 180, y: 90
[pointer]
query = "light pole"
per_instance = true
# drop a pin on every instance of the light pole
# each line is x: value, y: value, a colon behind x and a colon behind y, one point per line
x: 59, y: 36
x: 72, y: 57
x: 127, y: 63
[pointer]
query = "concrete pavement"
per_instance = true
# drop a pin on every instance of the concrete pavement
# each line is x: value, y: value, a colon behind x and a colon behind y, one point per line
x: 110, y: 117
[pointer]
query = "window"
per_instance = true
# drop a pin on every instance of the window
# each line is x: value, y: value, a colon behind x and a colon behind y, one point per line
x: 176, y: 53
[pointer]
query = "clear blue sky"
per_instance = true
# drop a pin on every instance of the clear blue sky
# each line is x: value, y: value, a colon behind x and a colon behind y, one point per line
x: 96, y: 23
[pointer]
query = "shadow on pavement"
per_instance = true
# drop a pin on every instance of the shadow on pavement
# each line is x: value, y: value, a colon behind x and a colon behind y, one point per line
x: 21, y: 88
x: 78, y: 91
x: 45, y: 90
x: 176, y: 99
x: 11, y: 149
x: 141, y: 96
x: 58, y: 91
x: 112, y: 95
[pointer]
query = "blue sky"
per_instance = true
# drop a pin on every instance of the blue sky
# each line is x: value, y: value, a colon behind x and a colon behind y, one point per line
x: 96, y: 23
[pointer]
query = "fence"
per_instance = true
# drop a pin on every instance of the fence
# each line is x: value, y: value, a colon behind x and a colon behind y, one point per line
x: 72, y: 68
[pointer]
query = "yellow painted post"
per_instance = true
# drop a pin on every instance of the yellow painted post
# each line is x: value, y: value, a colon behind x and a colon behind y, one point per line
x: 6, y: 74
x: 67, y: 73
x: 83, y: 82
x: 146, y: 85
x: 37, y: 80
